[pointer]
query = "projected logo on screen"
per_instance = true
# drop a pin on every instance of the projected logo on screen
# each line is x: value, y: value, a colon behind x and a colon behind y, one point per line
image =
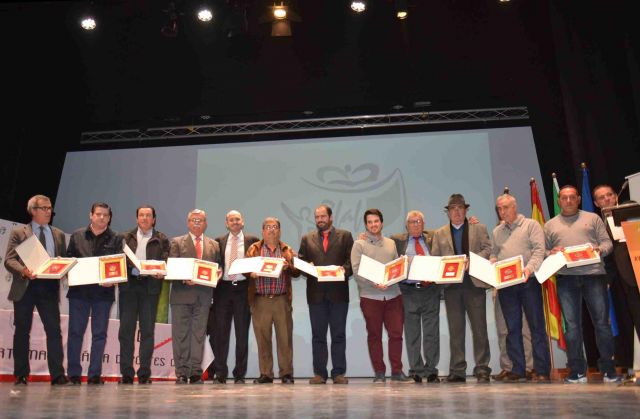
x: 349, y: 192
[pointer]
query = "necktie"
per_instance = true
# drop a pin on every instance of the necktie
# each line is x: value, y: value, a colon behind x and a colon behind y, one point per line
x: 41, y: 238
x: 325, y: 240
x: 419, y: 249
x: 233, y: 254
x: 198, y: 247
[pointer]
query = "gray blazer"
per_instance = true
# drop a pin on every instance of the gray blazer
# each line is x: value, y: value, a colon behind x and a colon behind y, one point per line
x: 479, y: 243
x: 183, y: 247
x: 14, y: 264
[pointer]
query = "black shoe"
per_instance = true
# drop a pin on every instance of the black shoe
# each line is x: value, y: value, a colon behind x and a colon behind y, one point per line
x: 95, y: 380
x: 21, y: 380
x: 144, y: 380
x: 182, y: 380
x: 238, y: 380
x: 433, y: 378
x: 220, y: 380
x: 60, y: 380
x: 196, y: 379
x: 75, y: 380
x: 416, y: 378
x: 263, y: 379
x: 451, y: 378
x: 483, y: 378
x: 287, y: 379
x: 126, y: 380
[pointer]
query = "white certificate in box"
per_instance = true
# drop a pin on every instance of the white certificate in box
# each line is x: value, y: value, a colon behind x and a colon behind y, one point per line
x: 111, y: 269
x: 261, y: 266
x: 502, y: 274
x: 35, y: 257
x: 583, y: 254
x: 145, y: 267
x: 329, y: 273
x: 383, y: 273
x: 550, y: 266
x: 202, y: 272
x: 438, y: 269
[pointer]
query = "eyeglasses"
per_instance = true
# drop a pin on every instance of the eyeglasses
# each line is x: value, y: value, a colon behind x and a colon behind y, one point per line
x: 196, y: 220
x: 271, y: 227
x: 45, y: 209
x: 415, y: 222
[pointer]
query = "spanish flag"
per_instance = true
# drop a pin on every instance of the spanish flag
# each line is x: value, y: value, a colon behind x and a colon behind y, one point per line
x: 552, y: 311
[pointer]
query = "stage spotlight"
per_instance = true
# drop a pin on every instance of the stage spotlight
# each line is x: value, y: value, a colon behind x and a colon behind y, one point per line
x: 279, y: 12
x: 402, y: 10
x: 205, y: 15
x: 358, y: 6
x: 281, y: 17
x: 88, y: 23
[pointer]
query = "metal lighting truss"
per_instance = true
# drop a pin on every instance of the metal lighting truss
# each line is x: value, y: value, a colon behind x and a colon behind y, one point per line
x: 306, y: 125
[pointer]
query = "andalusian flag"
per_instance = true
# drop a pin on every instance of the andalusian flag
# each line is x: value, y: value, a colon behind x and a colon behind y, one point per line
x: 552, y: 311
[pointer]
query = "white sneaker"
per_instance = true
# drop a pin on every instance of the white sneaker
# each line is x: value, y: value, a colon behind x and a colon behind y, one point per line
x: 611, y: 378
x: 576, y: 379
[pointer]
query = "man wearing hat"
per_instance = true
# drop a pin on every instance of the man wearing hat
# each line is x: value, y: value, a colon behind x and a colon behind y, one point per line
x: 468, y: 298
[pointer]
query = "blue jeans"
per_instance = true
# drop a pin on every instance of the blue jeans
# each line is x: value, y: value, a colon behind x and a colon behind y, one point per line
x: 571, y: 291
x: 514, y: 300
x: 80, y: 309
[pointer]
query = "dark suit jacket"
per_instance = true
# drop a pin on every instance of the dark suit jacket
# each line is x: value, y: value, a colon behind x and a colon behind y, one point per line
x: 14, y: 264
x: 183, y: 247
x: 479, y: 244
x: 222, y: 240
x: 338, y: 253
x: 157, y: 249
x: 402, y: 240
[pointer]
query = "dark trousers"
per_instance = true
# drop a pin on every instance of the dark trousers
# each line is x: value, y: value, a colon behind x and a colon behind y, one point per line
x: 514, y: 300
x: 422, y: 328
x: 333, y: 316
x: 389, y: 313
x: 211, y: 332
x: 47, y: 303
x: 231, y: 304
x: 136, y: 305
x: 80, y: 310
x: 571, y: 291
x: 462, y: 300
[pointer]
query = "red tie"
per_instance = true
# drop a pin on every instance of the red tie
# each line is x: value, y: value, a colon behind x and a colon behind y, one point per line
x: 198, y: 248
x: 325, y: 240
x: 419, y: 249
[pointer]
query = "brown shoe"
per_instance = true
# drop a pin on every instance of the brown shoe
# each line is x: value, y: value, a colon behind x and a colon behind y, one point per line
x: 317, y: 380
x: 500, y: 377
x: 340, y: 379
x: 530, y: 374
x: 513, y: 378
x: 539, y: 378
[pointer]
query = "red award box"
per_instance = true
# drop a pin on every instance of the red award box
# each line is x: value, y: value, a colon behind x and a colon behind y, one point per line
x: 583, y: 254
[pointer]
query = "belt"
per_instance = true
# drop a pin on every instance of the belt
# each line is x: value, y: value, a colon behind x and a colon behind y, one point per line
x: 269, y: 295
x: 412, y: 285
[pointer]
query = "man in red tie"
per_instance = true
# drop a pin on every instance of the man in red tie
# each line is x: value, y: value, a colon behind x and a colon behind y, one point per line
x: 328, y: 301
x: 190, y: 302
x: 421, y: 305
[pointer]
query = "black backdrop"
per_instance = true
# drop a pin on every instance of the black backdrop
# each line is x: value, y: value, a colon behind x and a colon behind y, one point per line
x: 574, y: 64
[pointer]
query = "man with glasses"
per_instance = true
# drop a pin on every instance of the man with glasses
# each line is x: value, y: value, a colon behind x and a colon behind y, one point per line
x: 270, y: 302
x: 570, y: 228
x: 28, y: 292
x: 421, y: 300
x: 190, y: 302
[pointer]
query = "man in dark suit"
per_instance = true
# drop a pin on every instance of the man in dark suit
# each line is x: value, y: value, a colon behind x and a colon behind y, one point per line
x: 231, y: 301
x: 190, y: 302
x: 139, y: 296
x: 328, y: 301
x: 421, y: 305
x: 458, y: 237
x: 28, y: 292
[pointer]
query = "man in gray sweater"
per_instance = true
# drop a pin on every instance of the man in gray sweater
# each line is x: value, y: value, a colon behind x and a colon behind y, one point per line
x: 575, y: 227
x: 381, y: 305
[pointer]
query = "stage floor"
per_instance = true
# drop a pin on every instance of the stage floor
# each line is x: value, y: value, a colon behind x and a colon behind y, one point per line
x: 359, y: 399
